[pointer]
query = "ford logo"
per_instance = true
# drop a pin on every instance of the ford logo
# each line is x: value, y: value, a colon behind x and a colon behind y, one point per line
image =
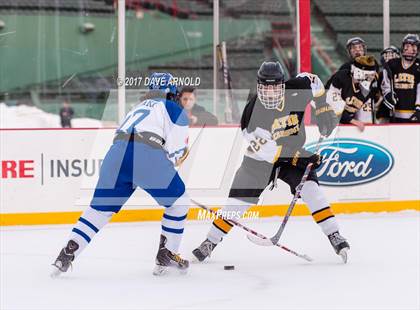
x: 351, y: 162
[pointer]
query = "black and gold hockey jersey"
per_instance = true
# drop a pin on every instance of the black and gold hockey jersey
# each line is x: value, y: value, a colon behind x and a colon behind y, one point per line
x: 406, y: 85
x: 348, y: 100
x: 275, y: 133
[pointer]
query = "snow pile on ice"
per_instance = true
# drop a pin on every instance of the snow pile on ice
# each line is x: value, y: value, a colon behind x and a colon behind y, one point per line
x: 23, y: 116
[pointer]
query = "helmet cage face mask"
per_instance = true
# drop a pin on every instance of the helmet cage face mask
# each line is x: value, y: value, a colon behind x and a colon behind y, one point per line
x: 411, y: 55
x: 390, y: 55
x: 271, y: 95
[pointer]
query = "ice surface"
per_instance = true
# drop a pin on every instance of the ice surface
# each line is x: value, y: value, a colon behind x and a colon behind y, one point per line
x: 115, y: 271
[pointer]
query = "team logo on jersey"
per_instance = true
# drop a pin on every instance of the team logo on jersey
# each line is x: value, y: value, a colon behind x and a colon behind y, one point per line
x: 351, y: 162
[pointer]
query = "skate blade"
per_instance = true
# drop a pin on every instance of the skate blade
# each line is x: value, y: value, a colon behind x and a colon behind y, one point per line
x: 163, y: 270
x: 160, y: 270
x: 343, y: 254
x: 195, y: 260
x: 55, y: 272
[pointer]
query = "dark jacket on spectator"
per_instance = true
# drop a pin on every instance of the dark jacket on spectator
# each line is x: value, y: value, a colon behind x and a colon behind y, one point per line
x: 203, y: 116
x: 66, y: 114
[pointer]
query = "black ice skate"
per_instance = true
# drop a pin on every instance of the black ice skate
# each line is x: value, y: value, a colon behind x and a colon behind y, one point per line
x: 64, y: 259
x: 166, y: 259
x: 340, y: 245
x: 204, y: 250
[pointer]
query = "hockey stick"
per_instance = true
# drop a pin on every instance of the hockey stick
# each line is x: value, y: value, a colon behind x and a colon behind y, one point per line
x: 273, y: 240
x: 232, y: 113
x: 253, y: 232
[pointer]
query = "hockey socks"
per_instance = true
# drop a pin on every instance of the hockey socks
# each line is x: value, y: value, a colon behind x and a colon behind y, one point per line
x: 173, y: 222
x: 320, y: 209
x: 87, y: 226
x: 234, y: 209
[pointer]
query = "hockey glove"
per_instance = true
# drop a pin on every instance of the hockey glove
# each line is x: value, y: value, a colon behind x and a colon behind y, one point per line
x: 415, y: 118
x: 326, y: 119
x: 302, y: 158
x: 389, y: 101
x: 383, y: 112
x: 179, y: 161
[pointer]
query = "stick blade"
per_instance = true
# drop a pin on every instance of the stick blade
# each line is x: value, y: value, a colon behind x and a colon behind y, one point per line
x: 307, y: 258
x: 259, y: 241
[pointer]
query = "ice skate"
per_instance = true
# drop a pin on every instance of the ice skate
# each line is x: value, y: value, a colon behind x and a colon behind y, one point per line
x: 166, y: 259
x: 64, y: 259
x: 204, y: 250
x: 340, y: 245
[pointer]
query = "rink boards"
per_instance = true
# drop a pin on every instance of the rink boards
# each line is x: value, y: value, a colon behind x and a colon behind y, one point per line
x: 48, y: 175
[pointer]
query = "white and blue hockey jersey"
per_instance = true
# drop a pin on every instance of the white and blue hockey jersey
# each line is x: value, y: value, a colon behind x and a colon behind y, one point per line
x: 164, y: 118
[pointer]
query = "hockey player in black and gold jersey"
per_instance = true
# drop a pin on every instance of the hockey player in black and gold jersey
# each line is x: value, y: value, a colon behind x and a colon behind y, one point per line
x: 401, y: 90
x: 382, y: 112
x: 272, y: 123
x: 351, y: 93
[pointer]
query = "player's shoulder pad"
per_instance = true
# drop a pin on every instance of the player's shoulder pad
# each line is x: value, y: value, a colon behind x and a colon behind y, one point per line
x: 315, y: 83
x: 176, y: 113
x: 340, y: 77
x: 247, y: 112
x: 346, y: 66
x: 342, y: 74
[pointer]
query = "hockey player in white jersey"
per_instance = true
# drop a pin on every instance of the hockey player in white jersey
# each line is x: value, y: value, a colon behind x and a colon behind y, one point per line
x: 150, y: 142
x: 272, y: 123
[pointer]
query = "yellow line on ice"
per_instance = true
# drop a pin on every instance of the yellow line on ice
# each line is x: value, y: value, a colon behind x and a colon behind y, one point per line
x: 45, y: 218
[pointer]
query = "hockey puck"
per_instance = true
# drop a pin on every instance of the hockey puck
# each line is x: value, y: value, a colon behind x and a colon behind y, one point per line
x: 229, y: 267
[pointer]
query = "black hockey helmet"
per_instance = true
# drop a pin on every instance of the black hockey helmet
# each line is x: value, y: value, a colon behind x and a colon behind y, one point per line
x: 412, y: 39
x: 270, y: 84
x: 354, y: 41
x: 389, y: 53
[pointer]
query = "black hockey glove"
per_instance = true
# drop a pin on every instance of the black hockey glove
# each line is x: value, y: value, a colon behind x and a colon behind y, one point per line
x: 415, y: 118
x: 326, y: 119
x: 383, y: 112
x: 389, y: 101
x: 302, y: 158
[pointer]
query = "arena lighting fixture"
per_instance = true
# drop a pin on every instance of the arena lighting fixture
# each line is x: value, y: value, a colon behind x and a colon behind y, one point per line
x: 87, y: 27
x: 2, y: 24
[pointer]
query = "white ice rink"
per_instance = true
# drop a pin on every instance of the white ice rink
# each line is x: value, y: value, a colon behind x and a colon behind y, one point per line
x: 115, y: 272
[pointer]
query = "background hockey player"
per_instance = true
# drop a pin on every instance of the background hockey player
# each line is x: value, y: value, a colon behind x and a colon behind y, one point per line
x: 401, y: 90
x: 272, y: 123
x: 382, y: 112
x: 351, y: 93
x: 355, y: 47
x: 389, y: 53
x: 149, y: 143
